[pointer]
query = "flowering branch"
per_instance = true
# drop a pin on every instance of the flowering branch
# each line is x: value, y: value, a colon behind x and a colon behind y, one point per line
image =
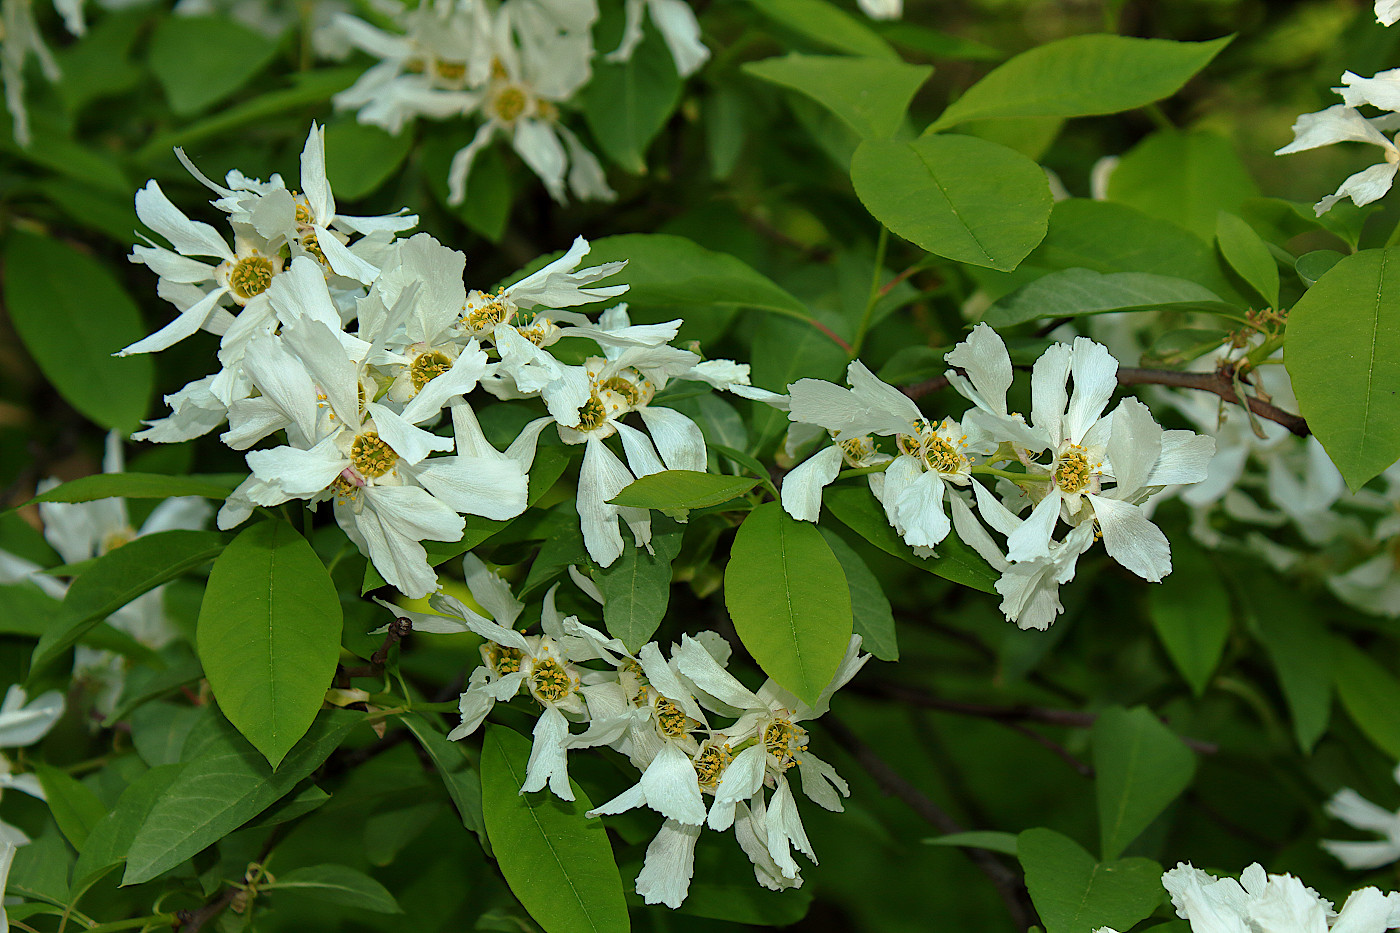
x: 1218, y: 382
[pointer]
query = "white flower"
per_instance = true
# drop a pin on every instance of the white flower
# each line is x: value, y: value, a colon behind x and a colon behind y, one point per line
x: 21, y: 38
x: 22, y: 722
x: 882, y: 9
x: 678, y: 27
x: 1387, y: 12
x: 1341, y: 123
x: 1356, y: 811
x: 7, y: 855
x: 1261, y: 903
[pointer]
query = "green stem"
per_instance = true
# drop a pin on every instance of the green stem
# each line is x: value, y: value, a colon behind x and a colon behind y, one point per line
x: 1159, y: 117
x: 1007, y: 474
x: 870, y: 302
x: 863, y: 471
x: 161, y: 919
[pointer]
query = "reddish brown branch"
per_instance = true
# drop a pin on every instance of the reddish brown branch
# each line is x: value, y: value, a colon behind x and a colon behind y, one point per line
x: 1218, y: 383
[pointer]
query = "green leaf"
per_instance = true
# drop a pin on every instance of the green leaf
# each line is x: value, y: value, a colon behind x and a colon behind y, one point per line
x: 827, y: 25
x: 1108, y: 237
x: 789, y: 600
x: 72, y: 316
x: 1313, y: 265
x: 462, y: 781
x: 871, y: 94
x: 111, y: 837
x: 1185, y: 177
x: 1248, y: 255
x: 225, y: 782
x: 1005, y: 843
x: 200, y: 60
x: 682, y: 489
x: 871, y: 617
x: 1370, y: 694
x: 1300, y: 649
x: 30, y: 612
x: 636, y: 588
x: 957, y: 196
x: 1141, y: 767
x: 857, y: 509
x: 557, y: 862
x: 627, y: 103
x: 1074, y: 894
x: 100, y: 65
x: 360, y: 158
x: 1191, y: 612
x: 269, y: 635
x: 1074, y: 292
x: 117, y: 578
x: 1081, y: 76
x: 337, y: 884
x: 673, y: 272
x: 1343, y: 354
x: 75, y: 808
x: 308, y: 87
x: 136, y: 486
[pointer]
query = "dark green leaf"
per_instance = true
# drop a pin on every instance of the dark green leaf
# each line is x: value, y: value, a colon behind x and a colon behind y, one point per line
x: 1081, y: 76
x: 627, y: 103
x: 269, y: 635
x: 558, y: 863
x: 870, y: 610
x: 1005, y: 843
x: 136, y: 486
x: 225, y: 782
x: 75, y: 808
x: 462, y: 781
x: 870, y: 94
x: 682, y: 489
x: 828, y: 25
x: 200, y: 60
x: 1073, y: 292
x: 957, y: 196
x: 120, y: 576
x: 1141, y: 767
x: 1370, y: 694
x: 1191, y: 613
x: 1343, y: 354
x: 360, y: 158
x: 789, y: 600
x: 1186, y: 177
x: 1074, y: 894
x: 1248, y: 255
x: 636, y: 587
x: 338, y: 884
x: 72, y: 316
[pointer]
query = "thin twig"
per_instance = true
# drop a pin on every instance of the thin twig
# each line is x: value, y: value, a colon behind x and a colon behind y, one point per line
x: 1075, y: 719
x: 1008, y: 885
x: 1217, y: 382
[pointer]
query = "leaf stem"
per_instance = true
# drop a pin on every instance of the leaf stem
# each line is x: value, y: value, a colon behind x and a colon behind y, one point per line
x: 880, y: 245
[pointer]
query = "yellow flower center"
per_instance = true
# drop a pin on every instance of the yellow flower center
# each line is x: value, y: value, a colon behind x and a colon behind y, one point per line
x: 623, y: 388
x: 509, y: 103
x: 942, y: 455
x: 427, y: 367
x: 115, y: 540
x: 710, y: 765
x: 251, y: 276
x: 551, y: 683
x: 502, y: 659
x: 450, y: 72
x: 784, y: 740
x: 1072, y: 472
x: 672, y: 721
x: 592, y: 414
x: 371, y: 455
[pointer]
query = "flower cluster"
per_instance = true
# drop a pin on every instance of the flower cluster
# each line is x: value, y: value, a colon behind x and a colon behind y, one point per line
x: 511, y: 70
x: 20, y: 38
x: 1264, y: 903
x: 356, y: 403
x: 710, y: 752
x: 1070, y: 463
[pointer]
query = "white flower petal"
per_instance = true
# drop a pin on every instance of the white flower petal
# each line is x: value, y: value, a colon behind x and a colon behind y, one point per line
x: 671, y: 787
x: 670, y: 862
x: 803, y: 484
x: 548, y: 758
x: 1131, y: 539
x: 677, y: 438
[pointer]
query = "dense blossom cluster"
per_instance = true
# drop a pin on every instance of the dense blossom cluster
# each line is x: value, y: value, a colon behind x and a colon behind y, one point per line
x: 513, y: 70
x: 1070, y: 463
x: 354, y: 343
x: 692, y: 730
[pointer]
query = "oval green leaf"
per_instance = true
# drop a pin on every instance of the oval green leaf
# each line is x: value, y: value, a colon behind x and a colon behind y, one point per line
x: 338, y: 884
x: 627, y: 103
x: 359, y: 157
x: 1073, y: 292
x: 1141, y: 767
x: 72, y: 316
x: 1081, y: 76
x: 789, y: 600
x: 870, y: 94
x: 957, y: 196
x: 200, y: 60
x: 1343, y: 354
x: 137, y: 486
x: 269, y: 635
x: 682, y: 489
x: 557, y: 862
x: 1074, y: 894
x: 1249, y: 255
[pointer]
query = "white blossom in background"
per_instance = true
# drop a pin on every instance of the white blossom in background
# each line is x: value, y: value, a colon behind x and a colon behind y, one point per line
x: 676, y: 22
x: 19, y: 39
x: 22, y: 722
x: 1359, y: 813
x: 1343, y: 123
x: 882, y: 9
x: 1387, y: 12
